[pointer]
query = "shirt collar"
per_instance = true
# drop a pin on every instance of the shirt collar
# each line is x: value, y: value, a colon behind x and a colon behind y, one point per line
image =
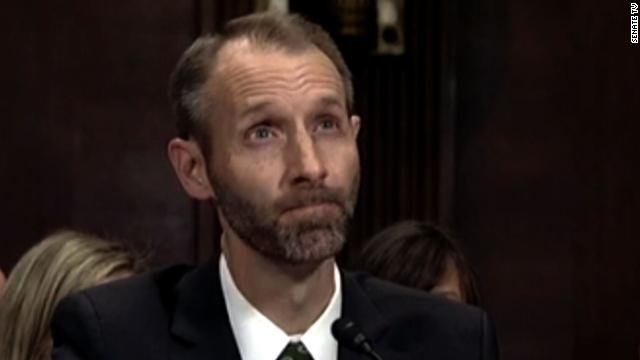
x: 258, y: 338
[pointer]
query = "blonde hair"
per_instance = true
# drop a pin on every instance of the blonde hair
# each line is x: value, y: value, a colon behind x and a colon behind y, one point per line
x: 63, y: 263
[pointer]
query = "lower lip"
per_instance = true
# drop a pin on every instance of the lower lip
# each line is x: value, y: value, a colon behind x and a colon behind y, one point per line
x: 314, y: 208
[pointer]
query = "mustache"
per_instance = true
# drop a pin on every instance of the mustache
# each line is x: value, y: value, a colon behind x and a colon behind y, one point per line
x: 311, y: 197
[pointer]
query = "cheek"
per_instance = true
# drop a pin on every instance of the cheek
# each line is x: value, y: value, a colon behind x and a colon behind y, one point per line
x: 253, y: 173
x: 343, y: 162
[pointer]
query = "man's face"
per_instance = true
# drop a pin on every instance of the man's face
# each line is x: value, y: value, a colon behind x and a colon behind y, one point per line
x: 284, y: 164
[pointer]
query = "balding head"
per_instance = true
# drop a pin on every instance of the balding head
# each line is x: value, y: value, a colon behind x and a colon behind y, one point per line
x: 193, y: 84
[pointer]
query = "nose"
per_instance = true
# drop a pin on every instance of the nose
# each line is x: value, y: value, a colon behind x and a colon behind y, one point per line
x: 306, y: 166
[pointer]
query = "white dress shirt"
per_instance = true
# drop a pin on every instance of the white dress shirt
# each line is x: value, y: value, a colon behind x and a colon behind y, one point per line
x: 258, y: 338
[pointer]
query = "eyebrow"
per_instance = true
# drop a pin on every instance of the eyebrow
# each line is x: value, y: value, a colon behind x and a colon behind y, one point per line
x: 254, y: 108
x: 331, y: 101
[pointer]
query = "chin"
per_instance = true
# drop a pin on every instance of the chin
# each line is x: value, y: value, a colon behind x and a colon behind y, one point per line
x: 311, y: 246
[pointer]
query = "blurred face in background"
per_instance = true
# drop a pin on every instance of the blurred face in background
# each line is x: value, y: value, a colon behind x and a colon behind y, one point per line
x: 449, y: 285
x: 2, y: 281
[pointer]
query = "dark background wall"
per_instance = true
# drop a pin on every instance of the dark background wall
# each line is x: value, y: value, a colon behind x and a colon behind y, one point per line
x: 85, y: 121
x: 547, y: 172
x: 512, y: 122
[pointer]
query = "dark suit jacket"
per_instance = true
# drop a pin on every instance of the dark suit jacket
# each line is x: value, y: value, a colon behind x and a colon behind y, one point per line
x: 179, y: 313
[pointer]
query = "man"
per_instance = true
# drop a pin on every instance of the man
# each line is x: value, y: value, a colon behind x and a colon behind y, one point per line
x: 267, y: 134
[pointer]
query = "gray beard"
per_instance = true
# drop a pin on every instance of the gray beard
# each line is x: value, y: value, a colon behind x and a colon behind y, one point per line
x: 306, y: 241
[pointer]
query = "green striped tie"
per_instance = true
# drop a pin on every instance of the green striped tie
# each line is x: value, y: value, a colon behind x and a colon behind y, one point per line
x: 295, y: 350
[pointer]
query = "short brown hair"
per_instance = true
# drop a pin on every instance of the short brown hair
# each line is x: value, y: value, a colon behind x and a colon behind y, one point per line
x: 416, y: 254
x: 288, y: 32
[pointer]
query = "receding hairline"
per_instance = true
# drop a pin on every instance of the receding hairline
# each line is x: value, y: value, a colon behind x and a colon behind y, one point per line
x: 247, y: 43
x: 233, y: 48
x: 193, y: 90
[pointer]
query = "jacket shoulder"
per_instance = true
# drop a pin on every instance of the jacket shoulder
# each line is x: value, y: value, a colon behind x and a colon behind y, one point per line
x: 418, y: 319
x: 117, y: 316
x: 387, y: 296
x: 137, y: 291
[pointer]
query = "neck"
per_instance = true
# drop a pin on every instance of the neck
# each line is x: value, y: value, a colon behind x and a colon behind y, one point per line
x: 291, y: 296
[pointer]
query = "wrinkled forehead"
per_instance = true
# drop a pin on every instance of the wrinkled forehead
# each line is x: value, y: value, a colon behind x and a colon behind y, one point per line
x: 246, y: 71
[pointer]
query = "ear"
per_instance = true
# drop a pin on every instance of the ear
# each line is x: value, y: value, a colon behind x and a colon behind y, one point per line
x: 355, y: 125
x: 190, y: 167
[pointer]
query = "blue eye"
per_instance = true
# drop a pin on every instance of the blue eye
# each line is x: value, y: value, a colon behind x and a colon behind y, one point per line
x: 328, y: 124
x: 263, y: 133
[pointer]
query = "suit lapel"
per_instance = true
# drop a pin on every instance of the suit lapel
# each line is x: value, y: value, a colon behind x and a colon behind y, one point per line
x: 357, y: 306
x: 201, y: 327
x: 200, y: 324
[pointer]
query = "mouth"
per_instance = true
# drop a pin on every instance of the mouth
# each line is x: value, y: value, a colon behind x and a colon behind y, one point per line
x: 321, y: 209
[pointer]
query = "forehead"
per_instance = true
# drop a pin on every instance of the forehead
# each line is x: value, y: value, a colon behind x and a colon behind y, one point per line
x: 249, y: 73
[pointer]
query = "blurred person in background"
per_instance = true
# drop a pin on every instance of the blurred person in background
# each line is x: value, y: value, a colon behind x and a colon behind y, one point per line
x: 63, y: 263
x: 421, y: 256
x: 3, y: 280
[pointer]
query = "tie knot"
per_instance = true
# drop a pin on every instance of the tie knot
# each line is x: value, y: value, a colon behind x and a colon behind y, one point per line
x: 295, y: 350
